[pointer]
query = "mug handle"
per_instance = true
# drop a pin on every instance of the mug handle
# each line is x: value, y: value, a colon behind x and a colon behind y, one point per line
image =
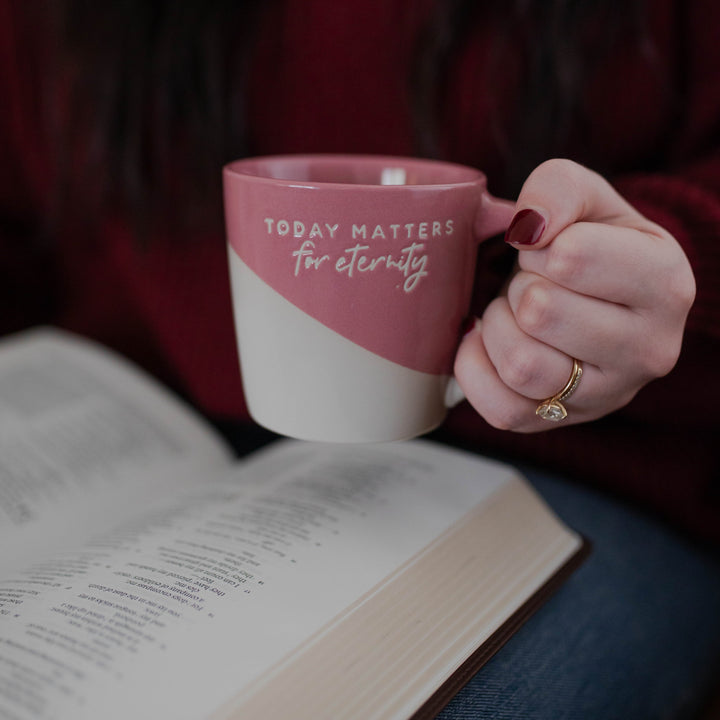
x: 494, y: 216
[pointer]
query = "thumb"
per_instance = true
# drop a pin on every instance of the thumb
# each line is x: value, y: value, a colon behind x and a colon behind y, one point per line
x: 559, y: 193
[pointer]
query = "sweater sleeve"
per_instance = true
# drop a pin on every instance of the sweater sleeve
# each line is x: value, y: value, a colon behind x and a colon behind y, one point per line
x: 684, y: 195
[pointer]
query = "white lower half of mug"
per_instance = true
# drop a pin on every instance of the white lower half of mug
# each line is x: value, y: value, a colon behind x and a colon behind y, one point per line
x: 303, y: 380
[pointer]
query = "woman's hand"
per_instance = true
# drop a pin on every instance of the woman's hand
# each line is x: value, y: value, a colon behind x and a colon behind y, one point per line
x: 598, y: 282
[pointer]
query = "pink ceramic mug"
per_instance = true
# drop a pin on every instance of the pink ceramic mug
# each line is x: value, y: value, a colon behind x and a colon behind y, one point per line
x: 351, y: 278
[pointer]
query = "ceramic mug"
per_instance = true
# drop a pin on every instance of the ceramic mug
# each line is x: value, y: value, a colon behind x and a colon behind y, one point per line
x: 351, y: 278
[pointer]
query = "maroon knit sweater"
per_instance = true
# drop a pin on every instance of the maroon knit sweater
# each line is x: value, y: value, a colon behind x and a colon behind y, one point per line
x: 338, y: 85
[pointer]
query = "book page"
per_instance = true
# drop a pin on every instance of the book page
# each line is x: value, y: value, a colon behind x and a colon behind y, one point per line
x: 84, y: 440
x: 174, y: 614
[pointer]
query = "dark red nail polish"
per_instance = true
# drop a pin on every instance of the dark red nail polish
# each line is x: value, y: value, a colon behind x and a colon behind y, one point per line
x: 526, y: 228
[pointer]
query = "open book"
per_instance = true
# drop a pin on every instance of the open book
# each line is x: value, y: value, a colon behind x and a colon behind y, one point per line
x: 145, y: 573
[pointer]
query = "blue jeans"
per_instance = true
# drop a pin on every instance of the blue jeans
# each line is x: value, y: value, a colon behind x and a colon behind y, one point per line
x: 633, y: 635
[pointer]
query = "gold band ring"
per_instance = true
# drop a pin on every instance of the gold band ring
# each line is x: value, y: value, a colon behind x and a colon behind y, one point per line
x: 552, y: 409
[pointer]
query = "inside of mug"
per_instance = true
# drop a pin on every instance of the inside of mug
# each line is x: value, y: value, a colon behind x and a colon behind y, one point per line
x: 357, y: 170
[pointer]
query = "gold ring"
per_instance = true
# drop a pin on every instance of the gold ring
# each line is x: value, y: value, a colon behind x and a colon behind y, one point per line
x: 552, y: 409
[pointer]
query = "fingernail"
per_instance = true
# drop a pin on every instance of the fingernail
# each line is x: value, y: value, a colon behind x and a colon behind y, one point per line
x: 526, y: 228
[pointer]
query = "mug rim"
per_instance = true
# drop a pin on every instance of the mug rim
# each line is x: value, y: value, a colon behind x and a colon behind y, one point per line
x: 466, y: 174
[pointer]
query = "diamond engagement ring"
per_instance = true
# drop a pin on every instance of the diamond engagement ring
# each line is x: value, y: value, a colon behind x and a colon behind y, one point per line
x: 552, y: 409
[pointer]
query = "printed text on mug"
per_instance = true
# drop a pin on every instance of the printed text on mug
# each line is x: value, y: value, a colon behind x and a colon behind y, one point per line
x: 411, y: 261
